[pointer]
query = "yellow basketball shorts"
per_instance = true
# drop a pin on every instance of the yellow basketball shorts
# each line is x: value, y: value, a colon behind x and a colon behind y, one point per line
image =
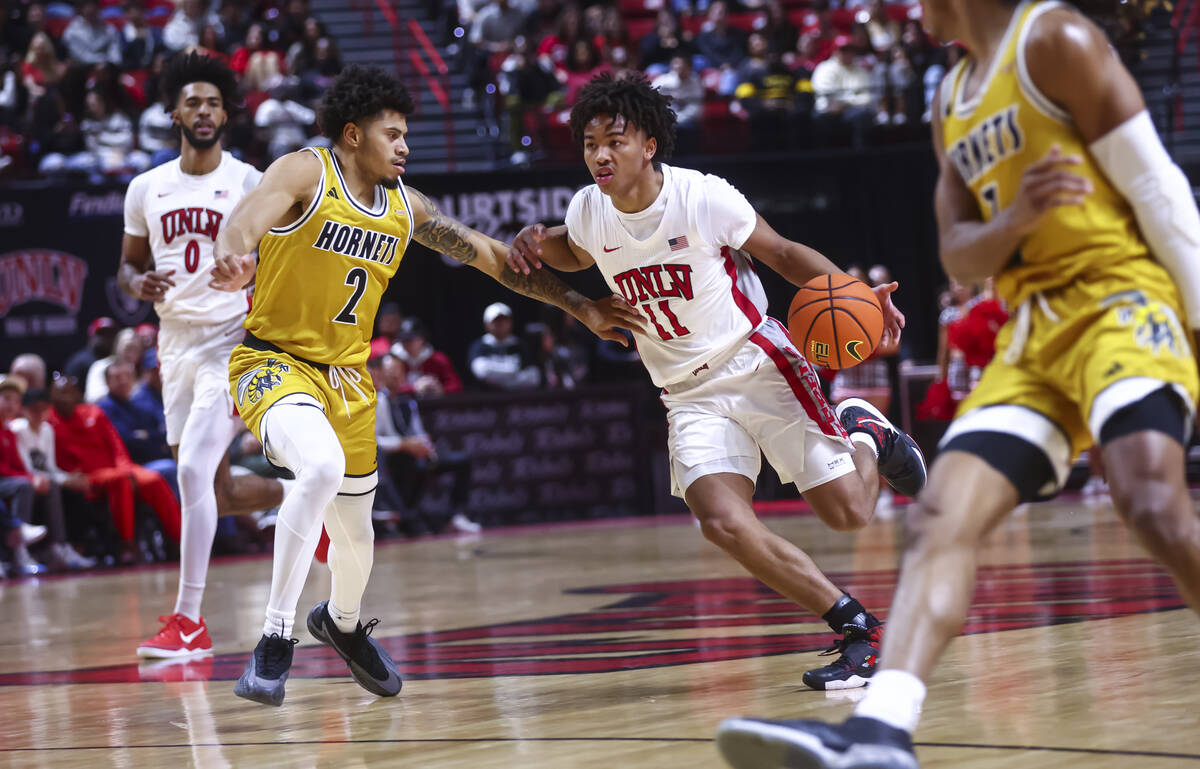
x: 258, y: 379
x: 1089, y: 350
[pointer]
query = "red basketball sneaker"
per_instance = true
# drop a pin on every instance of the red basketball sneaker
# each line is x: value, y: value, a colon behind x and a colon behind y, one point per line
x: 179, y: 637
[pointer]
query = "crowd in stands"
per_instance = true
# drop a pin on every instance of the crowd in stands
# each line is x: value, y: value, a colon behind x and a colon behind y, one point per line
x: 760, y: 74
x: 80, y: 85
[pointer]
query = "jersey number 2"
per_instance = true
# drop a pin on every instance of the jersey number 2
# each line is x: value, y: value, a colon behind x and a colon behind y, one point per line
x: 357, y: 277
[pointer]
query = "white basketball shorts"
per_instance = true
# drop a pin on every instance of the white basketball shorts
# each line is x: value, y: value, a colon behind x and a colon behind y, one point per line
x: 193, y: 360
x: 763, y: 396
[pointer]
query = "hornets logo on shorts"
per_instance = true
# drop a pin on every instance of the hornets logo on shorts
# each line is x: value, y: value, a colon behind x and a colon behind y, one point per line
x: 256, y: 383
x: 1155, y: 325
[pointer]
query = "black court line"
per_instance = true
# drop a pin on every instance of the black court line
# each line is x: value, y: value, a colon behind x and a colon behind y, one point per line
x: 478, y: 740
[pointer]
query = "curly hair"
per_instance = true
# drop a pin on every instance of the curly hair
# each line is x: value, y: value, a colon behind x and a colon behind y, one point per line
x: 357, y: 93
x: 631, y: 97
x: 186, y: 68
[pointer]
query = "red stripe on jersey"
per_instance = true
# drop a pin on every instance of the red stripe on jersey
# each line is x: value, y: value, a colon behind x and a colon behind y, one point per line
x: 741, y: 300
x: 802, y: 379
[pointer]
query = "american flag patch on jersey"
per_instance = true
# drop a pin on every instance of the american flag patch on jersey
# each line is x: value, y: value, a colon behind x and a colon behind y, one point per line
x: 221, y: 193
x: 679, y: 243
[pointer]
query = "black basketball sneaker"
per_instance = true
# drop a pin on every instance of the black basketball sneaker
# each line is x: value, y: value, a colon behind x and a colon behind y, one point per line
x: 369, y: 663
x: 857, y: 743
x: 858, y: 651
x: 901, y: 462
x: 267, y: 670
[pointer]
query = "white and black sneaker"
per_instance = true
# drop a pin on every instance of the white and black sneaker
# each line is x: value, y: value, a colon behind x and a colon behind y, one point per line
x: 901, y: 462
x: 370, y: 664
x: 267, y: 670
x: 856, y: 743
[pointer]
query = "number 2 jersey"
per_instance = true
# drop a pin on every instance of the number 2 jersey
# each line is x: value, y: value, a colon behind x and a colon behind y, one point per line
x: 181, y: 215
x: 679, y: 262
x: 320, y: 278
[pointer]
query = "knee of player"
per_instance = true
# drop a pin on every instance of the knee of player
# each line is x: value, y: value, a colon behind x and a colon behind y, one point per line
x: 1150, y: 508
x: 323, y: 469
x: 724, y: 529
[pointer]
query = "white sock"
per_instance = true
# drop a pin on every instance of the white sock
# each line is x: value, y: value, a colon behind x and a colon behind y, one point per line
x: 195, y: 550
x: 301, y: 439
x: 351, y: 549
x: 893, y: 697
x: 866, y: 440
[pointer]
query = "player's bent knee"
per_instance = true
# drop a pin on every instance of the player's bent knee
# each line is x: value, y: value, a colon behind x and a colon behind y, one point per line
x: 1149, y: 509
x: 725, y: 530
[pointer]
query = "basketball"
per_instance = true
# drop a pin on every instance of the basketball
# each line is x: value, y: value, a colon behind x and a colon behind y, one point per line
x: 835, y: 321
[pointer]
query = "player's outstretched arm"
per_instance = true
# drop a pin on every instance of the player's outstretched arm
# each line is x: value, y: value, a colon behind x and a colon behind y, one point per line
x: 538, y: 244
x: 799, y: 264
x: 1073, y: 65
x: 280, y: 197
x: 444, y: 234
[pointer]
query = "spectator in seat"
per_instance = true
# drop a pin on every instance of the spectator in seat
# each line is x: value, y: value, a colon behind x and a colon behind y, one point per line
x: 553, y: 49
x: 687, y: 97
x: 139, y: 40
x: 283, y: 120
x: 775, y: 98
x: 882, y: 30
x: 781, y: 34
x: 721, y: 45
x: 303, y: 53
x: 30, y: 369
x: 583, y: 63
x: 324, y: 68
x: 253, y: 45
x: 387, y: 328
x: 128, y: 348
x: 434, y: 373
x: 186, y: 24
x: 86, y: 442
x: 148, y: 397
x: 16, y: 484
x: 664, y: 44
x: 408, y: 456
x: 157, y: 134
x: 844, y: 100
x: 530, y: 88
x: 41, y: 71
x: 102, y: 334
x: 18, y: 32
x: 108, y: 138
x: 496, y: 26
x: 138, y: 427
x: 88, y: 39
x: 498, y: 360
x: 35, y: 443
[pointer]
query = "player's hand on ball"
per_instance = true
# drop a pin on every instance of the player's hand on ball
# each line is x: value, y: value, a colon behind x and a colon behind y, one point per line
x: 893, y: 319
x: 526, y: 250
x: 604, y: 316
x: 152, y: 286
x: 232, y: 272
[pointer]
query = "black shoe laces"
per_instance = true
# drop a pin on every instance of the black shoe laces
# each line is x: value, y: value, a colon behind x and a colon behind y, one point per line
x: 851, y: 635
x: 274, y: 654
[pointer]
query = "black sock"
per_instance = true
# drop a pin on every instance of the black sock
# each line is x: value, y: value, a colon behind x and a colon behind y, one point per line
x: 848, y: 611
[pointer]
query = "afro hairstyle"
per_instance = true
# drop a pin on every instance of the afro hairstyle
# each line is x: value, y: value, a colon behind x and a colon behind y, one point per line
x: 642, y: 106
x: 186, y: 68
x: 357, y: 93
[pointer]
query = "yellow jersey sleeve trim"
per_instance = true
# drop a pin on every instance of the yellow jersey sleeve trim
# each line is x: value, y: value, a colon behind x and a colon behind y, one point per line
x: 407, y: 212
x: 381, y: 211
x: 312, y: 206
x: 1030, y: 90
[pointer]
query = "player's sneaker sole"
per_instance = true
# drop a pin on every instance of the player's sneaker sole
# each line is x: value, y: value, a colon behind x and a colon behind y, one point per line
x: 747, y: 743
x: 263, y: 690
x: 853, y: 682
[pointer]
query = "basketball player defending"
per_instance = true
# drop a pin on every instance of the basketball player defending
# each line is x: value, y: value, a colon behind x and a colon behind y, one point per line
x: 1054, y: 181
x: 172, y: 216
x: 676, y: 244
x: 334, y: 225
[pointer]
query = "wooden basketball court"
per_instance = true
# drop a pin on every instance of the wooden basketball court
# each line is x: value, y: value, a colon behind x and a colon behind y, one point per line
x: 616, y: 645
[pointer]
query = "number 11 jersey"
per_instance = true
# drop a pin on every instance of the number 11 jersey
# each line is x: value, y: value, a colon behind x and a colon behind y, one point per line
x: 679, y: 262
x: 181, y: 215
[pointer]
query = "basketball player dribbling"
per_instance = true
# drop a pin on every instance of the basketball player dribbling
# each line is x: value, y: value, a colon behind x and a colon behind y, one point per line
x: 172, y: 216
x: 334, y: 225
x: 677, y: 245
x: 1054, y: 181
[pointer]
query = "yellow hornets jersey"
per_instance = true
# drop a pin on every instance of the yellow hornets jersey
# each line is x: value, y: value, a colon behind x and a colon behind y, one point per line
x: 320, y: 279
x: 1004, y: 127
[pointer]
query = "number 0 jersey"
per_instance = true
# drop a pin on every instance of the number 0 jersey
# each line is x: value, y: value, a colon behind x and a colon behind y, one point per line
x: 320, y: 279
x: 1002, y: 129
x: 180, y: 214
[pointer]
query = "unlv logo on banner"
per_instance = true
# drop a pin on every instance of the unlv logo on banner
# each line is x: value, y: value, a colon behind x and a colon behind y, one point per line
x: 41, y: 276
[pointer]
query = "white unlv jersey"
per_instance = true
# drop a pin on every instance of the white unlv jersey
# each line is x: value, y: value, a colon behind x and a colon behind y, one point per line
x: 699, y: 293
x: 181, y: 215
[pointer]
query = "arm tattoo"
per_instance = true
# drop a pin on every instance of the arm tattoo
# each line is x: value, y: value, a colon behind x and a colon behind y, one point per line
x: 442, y: 233
x: 544, y: 286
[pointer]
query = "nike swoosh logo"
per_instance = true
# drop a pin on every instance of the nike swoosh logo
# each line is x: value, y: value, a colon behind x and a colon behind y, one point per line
x: 187, y: 638
x: 852, y: 349
x: 870, y: 421
x: 608, y: 250
x: 163, y: 194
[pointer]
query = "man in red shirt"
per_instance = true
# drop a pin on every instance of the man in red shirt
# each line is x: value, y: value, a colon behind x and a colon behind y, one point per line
x: 86, y: 442
x: 435, y: 373
x: 16, y: 485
